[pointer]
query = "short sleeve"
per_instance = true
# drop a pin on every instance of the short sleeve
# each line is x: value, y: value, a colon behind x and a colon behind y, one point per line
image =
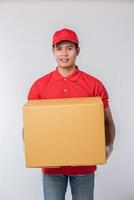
x: 101, y: 91
x: 34, y: 92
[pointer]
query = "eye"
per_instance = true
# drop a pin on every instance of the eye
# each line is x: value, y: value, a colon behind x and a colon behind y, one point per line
x: 70, y: 48
x: 58, y: 48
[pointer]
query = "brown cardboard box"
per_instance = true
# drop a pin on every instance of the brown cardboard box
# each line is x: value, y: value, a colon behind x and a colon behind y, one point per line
x: 62, y: 132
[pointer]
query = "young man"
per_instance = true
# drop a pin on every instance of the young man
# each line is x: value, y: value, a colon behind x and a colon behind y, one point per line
x: 68, y: 81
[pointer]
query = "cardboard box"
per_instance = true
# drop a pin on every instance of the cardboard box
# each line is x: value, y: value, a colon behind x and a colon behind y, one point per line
x: 64, y: 132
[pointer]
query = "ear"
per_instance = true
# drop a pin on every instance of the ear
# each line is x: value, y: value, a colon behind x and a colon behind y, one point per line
x: 78, y: 50
x: 53, y: 51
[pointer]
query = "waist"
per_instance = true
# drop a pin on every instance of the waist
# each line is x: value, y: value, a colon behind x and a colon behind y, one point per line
x: 70, y: 170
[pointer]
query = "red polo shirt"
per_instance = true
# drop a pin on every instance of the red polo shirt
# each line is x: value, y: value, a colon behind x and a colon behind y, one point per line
x: 78, y: 84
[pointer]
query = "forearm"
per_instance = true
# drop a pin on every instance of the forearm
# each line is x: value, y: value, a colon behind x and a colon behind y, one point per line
x: 109, y: 132
x: 109, y: 127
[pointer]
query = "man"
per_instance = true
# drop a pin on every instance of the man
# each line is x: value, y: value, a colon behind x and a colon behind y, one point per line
x: 68, y: 81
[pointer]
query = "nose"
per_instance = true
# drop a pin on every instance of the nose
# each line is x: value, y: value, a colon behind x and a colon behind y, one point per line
x: 64, y: 52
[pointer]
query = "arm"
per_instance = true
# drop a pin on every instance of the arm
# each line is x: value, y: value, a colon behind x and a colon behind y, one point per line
x: 109, y: 131
x: 109, y: 127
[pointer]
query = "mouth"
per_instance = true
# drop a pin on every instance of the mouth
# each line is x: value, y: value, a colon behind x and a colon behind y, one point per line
x: 64, y: 60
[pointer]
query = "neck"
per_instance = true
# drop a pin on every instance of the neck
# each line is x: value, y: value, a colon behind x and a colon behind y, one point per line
x: 66, y: 71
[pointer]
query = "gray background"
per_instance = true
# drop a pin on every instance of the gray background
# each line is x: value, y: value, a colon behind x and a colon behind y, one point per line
x: 106, y: 34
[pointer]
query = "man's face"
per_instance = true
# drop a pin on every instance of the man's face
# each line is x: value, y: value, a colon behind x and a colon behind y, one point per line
x: 65, y: 53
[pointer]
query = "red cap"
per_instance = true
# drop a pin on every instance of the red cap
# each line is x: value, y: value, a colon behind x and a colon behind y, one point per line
x: 65, y: 34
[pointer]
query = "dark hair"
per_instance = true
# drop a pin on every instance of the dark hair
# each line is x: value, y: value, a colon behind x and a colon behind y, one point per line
x: 76, y: 45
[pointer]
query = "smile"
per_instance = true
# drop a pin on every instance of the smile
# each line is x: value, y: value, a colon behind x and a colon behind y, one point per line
x: 64, y: 60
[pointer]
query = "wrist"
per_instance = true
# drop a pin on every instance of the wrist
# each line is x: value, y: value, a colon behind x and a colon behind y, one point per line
x: 109, y: 144
x: 109, y: 149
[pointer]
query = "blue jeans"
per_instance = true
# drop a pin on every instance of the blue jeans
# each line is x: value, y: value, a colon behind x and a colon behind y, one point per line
x: 82, y: 186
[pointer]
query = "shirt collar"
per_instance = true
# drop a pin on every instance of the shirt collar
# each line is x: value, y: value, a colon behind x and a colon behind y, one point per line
x: 73, y: 77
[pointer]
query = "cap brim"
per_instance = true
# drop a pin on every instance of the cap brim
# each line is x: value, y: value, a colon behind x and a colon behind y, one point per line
x: 64, y: 39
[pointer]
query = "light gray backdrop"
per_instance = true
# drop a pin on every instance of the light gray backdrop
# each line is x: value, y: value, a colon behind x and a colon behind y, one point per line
x: 106, y: 34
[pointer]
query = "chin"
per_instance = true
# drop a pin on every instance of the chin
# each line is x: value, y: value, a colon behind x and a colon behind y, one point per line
x: 65, y: 66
